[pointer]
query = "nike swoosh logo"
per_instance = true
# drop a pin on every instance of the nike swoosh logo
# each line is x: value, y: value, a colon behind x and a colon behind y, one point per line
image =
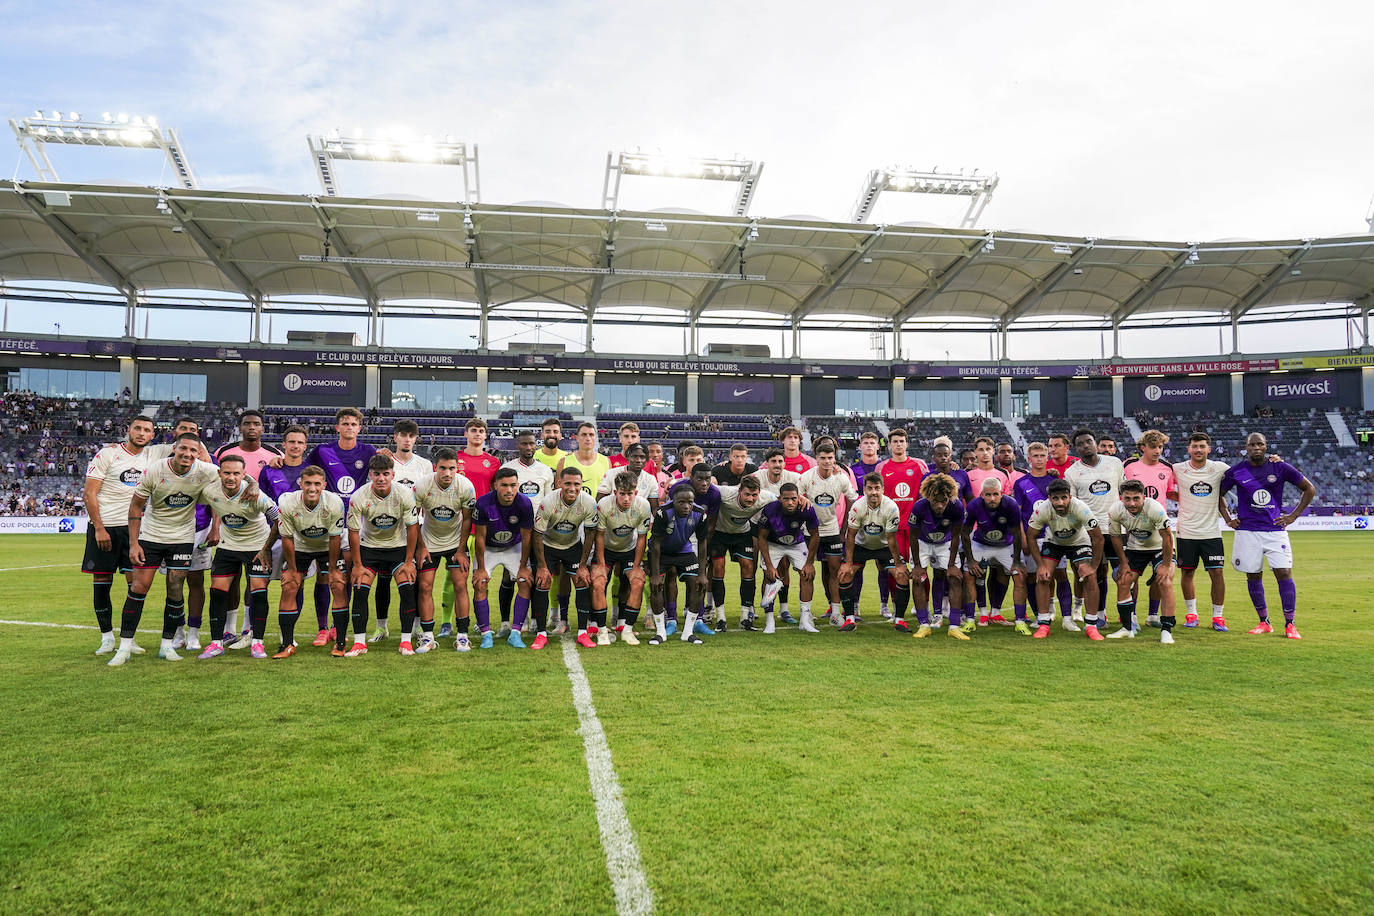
x: 738, y: 393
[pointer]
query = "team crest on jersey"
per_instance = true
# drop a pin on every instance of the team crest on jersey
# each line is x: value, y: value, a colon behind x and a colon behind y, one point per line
x: 909, y: 472
x: 131, y: 477
x: 443, y: 513
x: 1201, y: 489
x: 178, y: 500
x: 358, y: 465
x: 1100, y: 488
x: 1273, y: 479
x: 513, y: 519
x: 795, y: 525
x: 384, y: 521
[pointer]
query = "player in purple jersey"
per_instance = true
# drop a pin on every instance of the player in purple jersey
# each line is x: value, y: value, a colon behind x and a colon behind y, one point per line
x: 678, y: 541
x: 706, y: 495
x: 1029, y: 489
x: 502, y: 520
x: 1261, y: 527
x: 345, y: 461
x: 942, y: 451
x: 791, y: 534
x: 936, y: 523
x: 992, y: 542
x: 868, y: 462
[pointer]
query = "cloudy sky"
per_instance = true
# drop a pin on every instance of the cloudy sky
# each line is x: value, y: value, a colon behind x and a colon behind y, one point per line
x: 1182, y: 121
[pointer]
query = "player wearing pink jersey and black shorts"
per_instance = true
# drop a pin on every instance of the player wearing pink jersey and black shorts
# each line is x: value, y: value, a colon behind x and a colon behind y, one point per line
x: 255, y: 453
x: 1158, y: 479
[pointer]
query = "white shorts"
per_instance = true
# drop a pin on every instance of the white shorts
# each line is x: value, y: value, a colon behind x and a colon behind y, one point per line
x: 1252, y: 548
x: 508, y: 559
x: 795, y: 554
x: 987, y: 555
x: 936, y: 556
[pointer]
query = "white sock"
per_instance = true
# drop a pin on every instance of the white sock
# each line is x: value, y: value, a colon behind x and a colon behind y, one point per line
x: 581, y: 632
x: 1078, y: 604
x: 746, y: 611
x: 166, y: 644
x: 768, y: 618
x: 688, y: 623
x: 806, y: 607
x: 782, y: 608
x: 836, y: 608
x: 661, y: 625
x: 126, y: 643
x: 1190, y: 604
x: 849, y: 618
x: 1218, y: 610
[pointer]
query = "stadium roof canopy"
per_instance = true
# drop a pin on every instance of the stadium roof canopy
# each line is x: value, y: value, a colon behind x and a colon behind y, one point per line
x: 792, y: 271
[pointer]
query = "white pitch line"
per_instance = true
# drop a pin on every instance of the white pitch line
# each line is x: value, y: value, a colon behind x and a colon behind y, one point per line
x: 47, y: 566
x: 61, y: 626
x: 632, y: 892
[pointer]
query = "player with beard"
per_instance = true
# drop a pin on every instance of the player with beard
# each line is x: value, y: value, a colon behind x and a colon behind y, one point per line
x: 1070, y: 533
x: 733, y: 538
x: 1199, y: 488
x: 871, y: 534
x: 1095, y: 480
x: 1029, y: 491
x: 550, y: 453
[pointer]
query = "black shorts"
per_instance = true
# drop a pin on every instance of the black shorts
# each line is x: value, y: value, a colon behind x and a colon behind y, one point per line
x: 432, y: 562
x: 175, y: 556
x: 624, y: 559
x: 1140, y: 560
x: 107, y: 562
x: 862, y: 555
x: 230, y: 562
x: 684, y: 565
x: 735, y: 546
x: 303, y: 561
x: 569, y: 559
x: 382, y: 561
x: 831, y: 545
x: 1074, y: 553
x: 1210, y: 551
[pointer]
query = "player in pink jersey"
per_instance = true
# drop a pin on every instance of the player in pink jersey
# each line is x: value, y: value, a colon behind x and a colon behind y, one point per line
x: 1158, y: 479
x: 1006, y: 460
x: 793, y: 458
x: 255, y: 453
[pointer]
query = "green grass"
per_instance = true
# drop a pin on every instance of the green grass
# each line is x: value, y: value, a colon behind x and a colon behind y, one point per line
x: 862, y: 772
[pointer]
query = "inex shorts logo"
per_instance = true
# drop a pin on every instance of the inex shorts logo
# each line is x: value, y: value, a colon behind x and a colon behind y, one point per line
x: 1201, y: 489
x: 1100, y: 488
x: 384, y: 521
x: 443, y: 513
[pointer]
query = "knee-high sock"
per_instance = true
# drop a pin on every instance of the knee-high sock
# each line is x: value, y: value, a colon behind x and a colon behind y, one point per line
x: 383, y: 588
x: 339, y: 620
x: 505, y: 596
x: 173, y: 616
x: 718, y: 592
x: 1126, y: 611
x: 322, y: 602
x: 981, y: 592
x: 483, y: 615
x: 1288, y: 599
x: 361, y: 594
x: 104, y: 610
x: 539, y: 606
x: 670, y: 610
x: 219, y: 613
x: 407, y: 593
x: 583, y: 600
x: 901, y: 597
x: 286, y: 620
x: 937, y: 594
x: 884, y: 587
x: 782, y: 593
x: 1256, y: 588
x: 1032, y: 592
x: 1064, y: 592
x: 747, y: 588
x: 923, y: 614
x: 629, y: 616
x: 257, y: 612
x: 130, y: 616
x: 1103, y: 577
x: 997, y: 591
x: 849, y: 596
x: 522, y: 610
x: 1154, y: 607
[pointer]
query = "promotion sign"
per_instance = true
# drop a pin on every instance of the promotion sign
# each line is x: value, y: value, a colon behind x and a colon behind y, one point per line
x: 42, y: 524
x: 314, y: 381
x: 1300, y: 388
x: 743, y: 392
x: 1190, y: 392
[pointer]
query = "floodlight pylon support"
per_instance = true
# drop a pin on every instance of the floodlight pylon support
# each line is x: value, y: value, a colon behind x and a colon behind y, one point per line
x: 326, y: 149
x: 745, y: 172
x: 978, y: 188
x: 35, y: 133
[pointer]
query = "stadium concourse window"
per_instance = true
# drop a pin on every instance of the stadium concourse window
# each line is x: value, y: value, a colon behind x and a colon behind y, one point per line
x: 431, y: 394
x: 1025, y: 403
x: 564, y: 396
x: 168, y: 386
x: 866, y: 402
x: 947, y: 403
x: 635, y: 398
x: 65, y: 383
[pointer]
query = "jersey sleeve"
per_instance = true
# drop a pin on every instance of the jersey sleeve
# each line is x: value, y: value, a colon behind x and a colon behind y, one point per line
x: 541, y: 523
x: 1228, y: 481
x: 99, y: 466
x: 660, y: 525
x: 145, y: 487
x: 355, y: 516
x: 1114, y: 526
x: 285, y: 527
x: 853, y: 521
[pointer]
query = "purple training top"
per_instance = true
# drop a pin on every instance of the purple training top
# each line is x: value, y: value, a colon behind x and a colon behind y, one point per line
x: 345, y: 470
x: 503, y: 523
x: 781, y: 528
x: 673, y: 533
x: 995, y: 526
x: 710, y: 501
x: 926, y: 526
x: 277, y: 482
x: 1259, y: 491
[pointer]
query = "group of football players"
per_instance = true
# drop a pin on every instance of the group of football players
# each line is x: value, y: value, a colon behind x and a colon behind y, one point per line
x: 579, y: 529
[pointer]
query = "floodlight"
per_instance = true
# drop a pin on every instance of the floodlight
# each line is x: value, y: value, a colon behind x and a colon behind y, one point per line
x: 143, y: 133
x: 977, y: 187
x: 395, y: 145
x: 742, y: 171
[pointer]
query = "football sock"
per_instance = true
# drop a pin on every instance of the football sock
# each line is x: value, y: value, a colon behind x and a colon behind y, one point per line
x: 522, y: 609
x: 1190, y: 605
x: 670, y: 610
x: 340, y: 623
x: 219, y: 610
x: 718, y: 591
x: 1218, y: 610
x: 131, y: 614
x: 981, y: 592
x: 286, y: 619
x: 1126, y: 611
x: 406, y: 590
x: 1154, y: 607
x: 383, y: 599
x: 257, y: 612
x: 1067, y: 602
x: 104, y: 610
x: 461, y: 625
x: 629, y: 616
x: 1288, y: 598
x: 1020, y: 611
x: 360, y: 595
x: 540, y: 607
x: 173, y: 616
x: 747, y: 588
x: 937, y: 593
x: 483, y: 610
x: 901, y: 597
x: 661, y: 626
x: 323, y: 600
x: 1167, y: 622
x: 506, y: 596
x: 1256, y: 588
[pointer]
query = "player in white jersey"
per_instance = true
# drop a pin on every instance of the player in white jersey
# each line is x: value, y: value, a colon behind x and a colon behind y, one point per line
x: 1072, y: 533
x: 561, y: 544
x: 733, y: 538
x: 244, y: 529
x: 646, y: 484
x: 408, y: 470
x: 535, y: 476
x: 166, y: 534
x: 382, y: 536
x: 826, y: 486
x: 110, y: 481
x: 311, y: 526
x: 1142, y: 536
x: 622, y: 531
x: 1096, y: 480
x: 1199, y: 537
x: 446, y: 499
x: 871, y: 534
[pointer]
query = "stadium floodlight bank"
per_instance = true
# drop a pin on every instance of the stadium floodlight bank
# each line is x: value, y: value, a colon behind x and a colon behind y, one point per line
x: 112, y: 130
x: 978, y: 188
x: 656, y: 165
x: 399, y: 146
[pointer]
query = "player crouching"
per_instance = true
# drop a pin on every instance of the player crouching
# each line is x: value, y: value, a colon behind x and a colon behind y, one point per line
x: 1071, y: 533
x: 1142, y: 536
x: 871, y: 534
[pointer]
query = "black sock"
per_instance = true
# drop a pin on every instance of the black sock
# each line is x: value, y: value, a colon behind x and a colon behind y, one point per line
x: 219, y: 613
x: 287, y: 618
x: 360, y: 596
x: 461, y: 625
x: 383, y: 599
x: 506, y: 596
x: 407, y: 592
x: 132, y: 613
x: 322, y: 600
x: 901, y: 597
x: 173, y: 616
x: 629, y: 616
x: 539, y: 607
x: 104, y: 611
x: 257, y: 612
x: 340, y: 623
x: 782, y: 594
x: 718, y: 591
x: 1126, y: 611
x: 582, y: 597
x: 427, y: 627
x: 1167, y: 622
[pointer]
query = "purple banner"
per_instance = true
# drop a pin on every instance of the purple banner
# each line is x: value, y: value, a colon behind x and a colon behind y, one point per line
x: 39, y: 346
x: 314, y: 381
x: 1192, y: 391
x: 753, y: 391
x: 1300, y: 388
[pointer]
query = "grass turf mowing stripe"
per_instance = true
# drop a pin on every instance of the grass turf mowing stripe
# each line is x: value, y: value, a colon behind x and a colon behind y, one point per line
x: 632, y: 892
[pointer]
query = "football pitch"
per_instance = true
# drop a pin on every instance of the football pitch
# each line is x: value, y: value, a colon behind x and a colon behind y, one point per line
x: 861, y: 772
